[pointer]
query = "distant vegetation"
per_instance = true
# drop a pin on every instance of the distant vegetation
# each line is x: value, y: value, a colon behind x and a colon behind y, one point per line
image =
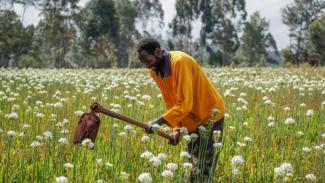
x: 103, y: 33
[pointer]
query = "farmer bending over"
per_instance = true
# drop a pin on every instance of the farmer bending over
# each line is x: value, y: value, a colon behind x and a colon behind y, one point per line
x: 188, y: 95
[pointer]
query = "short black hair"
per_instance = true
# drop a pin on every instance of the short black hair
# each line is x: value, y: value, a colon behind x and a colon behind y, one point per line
x: 148, y: 44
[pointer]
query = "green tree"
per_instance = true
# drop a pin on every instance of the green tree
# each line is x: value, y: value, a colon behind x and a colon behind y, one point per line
x: 99, y: 25
x: 316, y: 41
x: 221, y: 25
x: 255, y: 38
x: 56, y: 29
x: 11, y: 36
x: 298, y: 16
x: 181, y: 25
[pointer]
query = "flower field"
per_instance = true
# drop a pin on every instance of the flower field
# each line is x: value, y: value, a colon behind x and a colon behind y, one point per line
x: 274, y: 127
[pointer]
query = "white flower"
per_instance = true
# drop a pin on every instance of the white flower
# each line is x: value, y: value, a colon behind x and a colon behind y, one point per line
x: 271, y: 124
x: 284, y: 169
x: 40, y: 115
x: 248, y: 139
x: 302, y: 105
x: 146, y: 155
x: 183, y: 131
x: 78, y: 113
x: 310, y: 112
x: 11, y: 133
x: 237, y: 160
x: 306, y: 149
x: 187, y: 138
x: 187, y: 165
x: 26, y: 126
x: 217, y: 145
x: 122, y: 134
x: 124, y: 175
x: 35, y: 144
x: 268, y: 102
x: 287, y: 109
x: 311, y: 177
x: 270, y: 118
x: 300, y: 133
x: 146, y: 97
x: 99, y: 162
x: 39, y: 138
x: 289, y: 121
x: 145, y: 138
x: 162, y: 156
x: 155, y: 160
x: 185, y: 154
x: 66, y: 121
x: 87, y: 143
x: 167, y: 173
x: 48, y: 135
x: 318, y: 147
x: 100, y: 181
x: 63, y: 141
x: 171, y: 166
x: 61, y: 179
x: 128, y: 127
x: 145, y: 177
x: 235, y: 171
x: 64, y: 131
x: 58, y: 105
x: 68, y: 165
x: 194, y: 136
x: 12, y: 115
x: 155, y: 128
x: 240, y: 144
x: 109, y: 165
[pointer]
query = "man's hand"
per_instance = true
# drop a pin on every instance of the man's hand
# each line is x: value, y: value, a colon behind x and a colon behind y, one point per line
x: 175, y: 135
x: 97, y: 107
x: 152, y: 124
x: 149, y: 129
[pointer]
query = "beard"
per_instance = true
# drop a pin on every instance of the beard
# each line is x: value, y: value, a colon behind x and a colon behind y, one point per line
x: 158, y: 64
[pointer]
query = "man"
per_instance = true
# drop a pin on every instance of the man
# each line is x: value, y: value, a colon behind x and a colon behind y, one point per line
x: 188, y: 95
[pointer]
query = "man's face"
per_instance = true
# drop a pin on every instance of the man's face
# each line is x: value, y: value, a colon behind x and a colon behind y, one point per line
x: 150, y: 60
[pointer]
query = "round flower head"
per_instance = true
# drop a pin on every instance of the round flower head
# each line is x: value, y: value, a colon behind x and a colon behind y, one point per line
x: 171, y: 166
x: 215, y: 114
x: 61, y: 179
x: 145, y: 177
x: 167, y: 173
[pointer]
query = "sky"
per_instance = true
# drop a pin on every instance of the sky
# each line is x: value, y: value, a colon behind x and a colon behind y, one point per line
x: 270, y: 9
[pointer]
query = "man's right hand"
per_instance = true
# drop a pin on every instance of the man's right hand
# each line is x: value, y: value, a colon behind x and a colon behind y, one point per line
x: 149, y: 128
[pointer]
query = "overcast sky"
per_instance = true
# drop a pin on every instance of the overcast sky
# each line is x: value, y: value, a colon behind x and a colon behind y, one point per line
x: 271, y: 9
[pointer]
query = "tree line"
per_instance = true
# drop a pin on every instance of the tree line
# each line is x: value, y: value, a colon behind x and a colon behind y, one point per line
x: 103, y: 33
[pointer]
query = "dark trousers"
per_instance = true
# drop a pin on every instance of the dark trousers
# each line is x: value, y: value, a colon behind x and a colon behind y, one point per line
x: 194, y: 149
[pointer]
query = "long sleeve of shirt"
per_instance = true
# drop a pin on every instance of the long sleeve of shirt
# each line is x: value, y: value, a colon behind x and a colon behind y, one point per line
x: 184, y: 95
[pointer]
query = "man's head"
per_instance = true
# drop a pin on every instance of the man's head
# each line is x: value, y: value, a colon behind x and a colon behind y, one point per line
x: 149, y: 52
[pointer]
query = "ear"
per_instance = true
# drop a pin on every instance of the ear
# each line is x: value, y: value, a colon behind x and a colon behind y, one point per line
x: 157, y: 52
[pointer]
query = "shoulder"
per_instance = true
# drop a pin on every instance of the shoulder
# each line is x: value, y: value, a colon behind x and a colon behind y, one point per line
x: 180, y: 58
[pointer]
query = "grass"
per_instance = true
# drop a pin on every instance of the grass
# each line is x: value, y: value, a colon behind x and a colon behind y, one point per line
x: 258, y: 102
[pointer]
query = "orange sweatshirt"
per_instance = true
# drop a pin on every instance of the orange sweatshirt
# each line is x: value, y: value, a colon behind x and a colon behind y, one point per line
x: 188, y: 94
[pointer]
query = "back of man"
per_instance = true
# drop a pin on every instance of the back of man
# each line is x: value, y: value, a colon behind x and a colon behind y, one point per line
x: 189, y: 85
